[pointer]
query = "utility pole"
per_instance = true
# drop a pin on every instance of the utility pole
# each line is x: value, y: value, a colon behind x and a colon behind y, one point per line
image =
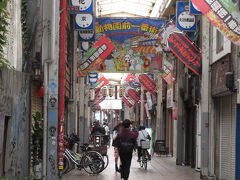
x: 142, y: 107
x: 50, y: 41
x: 204, y: 100
x: 159, y: 131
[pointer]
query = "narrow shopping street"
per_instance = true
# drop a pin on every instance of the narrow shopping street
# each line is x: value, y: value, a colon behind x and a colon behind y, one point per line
x: 160, y: 168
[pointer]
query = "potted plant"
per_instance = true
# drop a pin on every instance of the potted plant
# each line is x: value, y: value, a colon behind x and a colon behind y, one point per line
x: 37, y: 145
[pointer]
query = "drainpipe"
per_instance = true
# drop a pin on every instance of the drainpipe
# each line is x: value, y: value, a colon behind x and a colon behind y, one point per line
x: 61, y: 83
x: 45, y: 84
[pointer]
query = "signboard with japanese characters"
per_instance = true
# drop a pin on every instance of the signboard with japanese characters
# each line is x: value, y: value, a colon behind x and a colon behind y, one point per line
x: 185, y: 21
x: 86, y: 35
x: 170, y: 98
x: 186, y: 51
x: 223, y: 14
x: 81, y: 6
x: 83, y: 21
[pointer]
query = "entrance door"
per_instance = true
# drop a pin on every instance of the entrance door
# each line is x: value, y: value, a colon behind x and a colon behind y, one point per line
x: 5, y: 136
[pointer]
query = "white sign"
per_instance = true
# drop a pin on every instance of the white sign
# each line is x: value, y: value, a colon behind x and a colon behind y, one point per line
x: 111, y: 104
x: 170, y: 98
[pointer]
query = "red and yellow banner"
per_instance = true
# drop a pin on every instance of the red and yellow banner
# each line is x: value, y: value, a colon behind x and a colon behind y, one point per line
x: 224, y: 15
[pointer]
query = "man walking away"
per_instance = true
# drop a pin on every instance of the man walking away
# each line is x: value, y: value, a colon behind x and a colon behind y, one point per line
x: 125, y: 142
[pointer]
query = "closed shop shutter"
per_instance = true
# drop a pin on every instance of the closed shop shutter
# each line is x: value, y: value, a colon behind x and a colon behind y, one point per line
x: 227, y: 137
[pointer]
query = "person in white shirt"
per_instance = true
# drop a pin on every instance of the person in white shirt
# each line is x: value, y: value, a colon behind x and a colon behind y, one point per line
x: 142, y: 135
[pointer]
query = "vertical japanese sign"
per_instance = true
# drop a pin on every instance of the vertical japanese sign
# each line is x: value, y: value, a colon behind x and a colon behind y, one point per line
x: 224, y: 15
x: 185, y: 21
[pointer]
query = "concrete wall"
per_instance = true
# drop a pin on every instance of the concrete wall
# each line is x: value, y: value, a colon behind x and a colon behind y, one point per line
x: 14, y: 103
x: 13, y: 49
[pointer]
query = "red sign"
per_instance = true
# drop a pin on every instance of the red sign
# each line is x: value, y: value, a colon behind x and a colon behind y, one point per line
x: 101, y: 83
x: 222, y: 14
x: 96, y: 55
x: 73, y: 8
x: 186, y: 51
x: 148, y: 84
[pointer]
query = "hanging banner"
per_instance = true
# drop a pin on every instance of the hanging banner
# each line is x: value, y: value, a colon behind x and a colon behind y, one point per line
x: 128, y: 101
x: 134, y: 95
x: 148, y: 84
x: 136, y: 41
x: 186, y: 51
x: 224, y: 15
x: 101, y: 83
x: 185, y: 21
x: 96, y: 55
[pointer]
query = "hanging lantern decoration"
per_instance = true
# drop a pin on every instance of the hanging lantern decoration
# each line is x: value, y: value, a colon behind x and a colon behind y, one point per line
x: 110, y: 91
x: 104, y: 92
x: 120, y: 91
x: 40, y: 92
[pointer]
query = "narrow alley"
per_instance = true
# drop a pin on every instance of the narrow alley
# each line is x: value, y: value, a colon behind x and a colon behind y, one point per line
x: 159, y: 168
x: 154, y: 75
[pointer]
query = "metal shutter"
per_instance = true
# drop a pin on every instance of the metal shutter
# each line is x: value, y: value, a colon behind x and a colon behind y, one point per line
x: 227, y: 137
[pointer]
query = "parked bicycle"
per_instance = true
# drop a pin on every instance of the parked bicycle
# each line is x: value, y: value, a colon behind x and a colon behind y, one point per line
x: 91, y: 161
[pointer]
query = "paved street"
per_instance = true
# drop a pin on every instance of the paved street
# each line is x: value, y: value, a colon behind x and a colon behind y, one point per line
x: 160, y: 168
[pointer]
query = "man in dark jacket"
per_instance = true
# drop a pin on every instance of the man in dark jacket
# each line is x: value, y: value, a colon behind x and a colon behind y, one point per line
x: 125, y: 140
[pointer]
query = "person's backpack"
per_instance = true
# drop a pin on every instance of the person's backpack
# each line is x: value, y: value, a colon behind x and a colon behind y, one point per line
x: 125, y: 147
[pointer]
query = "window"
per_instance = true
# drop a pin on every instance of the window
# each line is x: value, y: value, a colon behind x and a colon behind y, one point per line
x: 220, y: 41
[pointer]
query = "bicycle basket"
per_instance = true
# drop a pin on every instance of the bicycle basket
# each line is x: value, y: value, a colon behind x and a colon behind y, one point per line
x: 145, y: 144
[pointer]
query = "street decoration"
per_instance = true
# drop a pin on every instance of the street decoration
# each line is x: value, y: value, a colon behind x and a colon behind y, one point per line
x: 96, y: 55
x: 127, y: 101
x: 101, y: 83
x: 136, y: 41
x: 224, y: 15
x: 148, y: 84
x: 134, y: 95
x: 182, y: 47
x: 186, y: 51
x: 185, y: 21
x: 130, y: 78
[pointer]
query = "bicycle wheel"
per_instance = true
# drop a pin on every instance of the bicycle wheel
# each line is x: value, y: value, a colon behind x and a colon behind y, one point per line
x: 145, y: 164
x: 66, y: 164
x: 92, y: 162
x: 106, y: 162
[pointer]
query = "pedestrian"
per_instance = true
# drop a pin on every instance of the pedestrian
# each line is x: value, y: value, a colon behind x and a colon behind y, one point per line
x: 142, y: 136
x: 116, y: 131
x: 125, y: 142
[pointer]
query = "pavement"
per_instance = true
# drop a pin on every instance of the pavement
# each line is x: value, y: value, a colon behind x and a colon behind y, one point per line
x: 159, y: 168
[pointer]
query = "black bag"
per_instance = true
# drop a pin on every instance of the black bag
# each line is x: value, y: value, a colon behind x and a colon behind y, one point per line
x: 125, y: 147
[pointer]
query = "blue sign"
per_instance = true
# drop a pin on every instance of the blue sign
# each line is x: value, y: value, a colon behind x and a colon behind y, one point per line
x: 85, y: 6
x: 185, y: 21
x: 120, y: 29
x: 83, y: 21
x: 86, y: 35
x: 92, y: 78
x: 193, y: 9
